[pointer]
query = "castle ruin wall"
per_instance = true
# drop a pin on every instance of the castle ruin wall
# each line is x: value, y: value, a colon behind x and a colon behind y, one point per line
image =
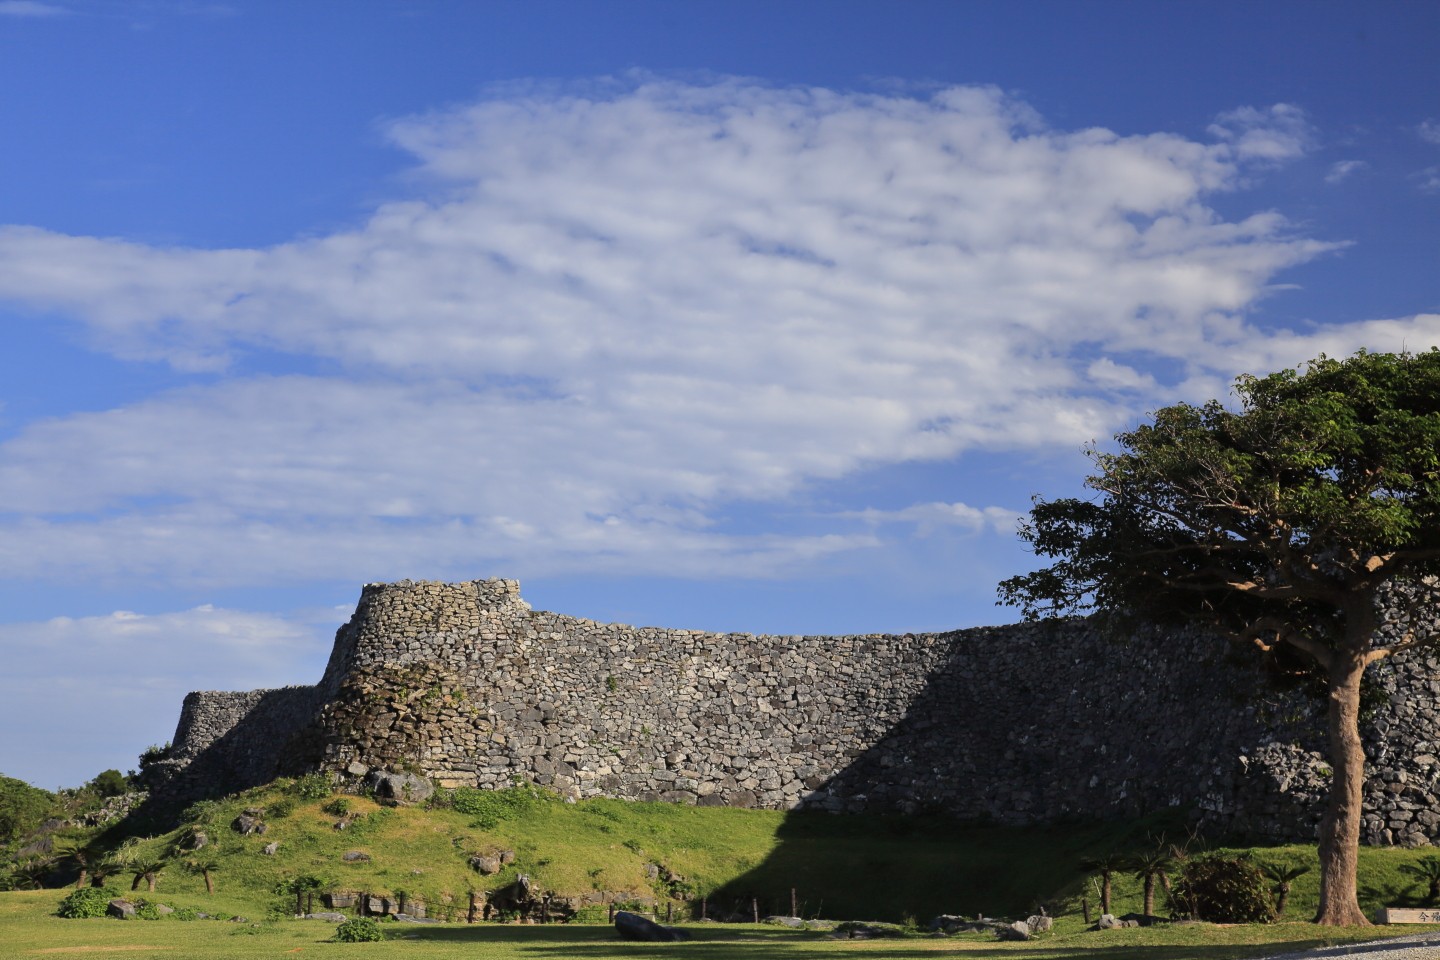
x: 1016, y: 724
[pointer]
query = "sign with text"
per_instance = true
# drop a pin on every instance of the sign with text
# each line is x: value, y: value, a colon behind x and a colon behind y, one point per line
x: 1397, y: 915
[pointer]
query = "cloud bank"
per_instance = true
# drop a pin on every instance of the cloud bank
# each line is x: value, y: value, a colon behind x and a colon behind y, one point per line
x: 621, y: 308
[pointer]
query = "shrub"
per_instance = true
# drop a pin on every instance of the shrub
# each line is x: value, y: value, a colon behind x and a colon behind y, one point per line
x: 147, y: 910
x: 200, y: 812
x: 312, y: 786
x: 491, y: 807
x: 280, y: 809
x: 110, y: 783
x: 337, y: 807
x: 22, y: 807
x: 85, y: 903
x: 187, y: 913
x: 358, y: 930
x: 221, y: 915
x: 1223, y: 890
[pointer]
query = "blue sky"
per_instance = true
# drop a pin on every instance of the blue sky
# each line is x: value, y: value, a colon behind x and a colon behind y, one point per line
x: 736, y: 316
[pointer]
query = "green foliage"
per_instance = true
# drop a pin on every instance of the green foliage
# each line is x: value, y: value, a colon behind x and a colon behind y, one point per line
x: 490, y: 808
x: 22, y: 807
x: 1223, y: 889
x: 611, y: 684
x: 280, y: 809
x: 358, y: 930
x: 200, y: 812
x: 186, y: 913
x: 313, y: 786
x: 148, y: 910
x: 86, y: 902
x: 110, y: 783
x: 1325, y: 484
x: 337, y: 807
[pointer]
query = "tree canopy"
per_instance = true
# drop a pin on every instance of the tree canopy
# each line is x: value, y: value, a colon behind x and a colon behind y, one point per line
x: 1275, y: 524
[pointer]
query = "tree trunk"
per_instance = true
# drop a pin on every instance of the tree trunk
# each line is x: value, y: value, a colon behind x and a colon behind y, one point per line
x: 84, y: 874
x: 136, y: 885
x: 1105, y: 892
x: 209, y: 883
x: 1284, y: 899
x: 1340, y: 827
x: 150, y: 877
x: 1149, y: 894
x: 1434, y: 891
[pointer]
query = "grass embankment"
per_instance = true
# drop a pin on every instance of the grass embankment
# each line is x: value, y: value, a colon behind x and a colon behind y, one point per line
x: 847, y: 867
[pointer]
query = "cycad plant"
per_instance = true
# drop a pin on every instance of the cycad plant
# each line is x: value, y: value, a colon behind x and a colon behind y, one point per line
x: 1283, y: 876
x: 1106, y: 866
x: 1427, y: 869
x: 206, y: 867
x: 1148, y: 867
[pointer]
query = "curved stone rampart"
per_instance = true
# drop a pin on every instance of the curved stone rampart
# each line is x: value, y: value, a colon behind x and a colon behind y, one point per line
x: 1018, y: 724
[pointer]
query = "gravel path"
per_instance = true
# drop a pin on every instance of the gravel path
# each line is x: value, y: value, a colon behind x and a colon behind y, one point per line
x: 1415, y: 946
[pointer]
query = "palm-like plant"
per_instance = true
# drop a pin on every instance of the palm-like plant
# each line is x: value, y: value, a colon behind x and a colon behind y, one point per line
x: 1283, y: 876
x: 1106, y: 866
x: 1148, y: 867
x: 1428, y: 869
x: 205, y: 866
x: 149, y: 869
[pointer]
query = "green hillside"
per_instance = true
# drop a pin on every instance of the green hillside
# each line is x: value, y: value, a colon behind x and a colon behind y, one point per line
x: 842, y: 867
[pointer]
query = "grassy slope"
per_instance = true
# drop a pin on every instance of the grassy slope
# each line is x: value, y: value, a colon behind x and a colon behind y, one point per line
x: 857, y: 867
x: 884, y: 868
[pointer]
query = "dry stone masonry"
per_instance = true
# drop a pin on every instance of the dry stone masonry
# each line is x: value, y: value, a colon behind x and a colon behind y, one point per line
x: 465, y: 684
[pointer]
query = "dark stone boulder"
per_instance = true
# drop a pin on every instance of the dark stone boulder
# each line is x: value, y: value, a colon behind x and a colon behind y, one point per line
x: 399, y: 789
x: 1019, y: 930
x: 121, y: 909
x: 486, y: 865
x: 332, y: 917
x: 247, y: 824
x: 632, y: 926
x: 355, y: 856
x: 1039, y: 923
x: 40, y: 848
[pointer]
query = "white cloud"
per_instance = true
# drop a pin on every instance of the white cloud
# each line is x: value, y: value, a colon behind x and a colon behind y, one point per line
x: 1343, y: 168
x: 29, y: 8
x: 929, y: 517
x: 1429, y: 130
x: 1429, y: 179
x: 627, y: 306
x: 92, y: 692
x: 1271, y: 135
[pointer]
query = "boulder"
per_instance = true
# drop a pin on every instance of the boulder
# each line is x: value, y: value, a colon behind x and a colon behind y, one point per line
x: 1039, y: 923
x: 332, y: 917
x: 121, y: 909
x: 652, y: 872
x: 162, y: 908
x: 398, y: 789
x: 1019, y: 930
x: 198, y: 840
x: 406, y: 918
x: 786, y: 921
x: 632, y: 926
x: 40, y: 848
x: 355, y: 856
x: 357, y: 769
x: 507, y: 856
x: 270, y: 848
x: 486, y: 865
x: 247, y: 824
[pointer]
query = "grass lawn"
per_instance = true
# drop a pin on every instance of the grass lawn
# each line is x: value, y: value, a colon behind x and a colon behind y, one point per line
x: 28, y: 928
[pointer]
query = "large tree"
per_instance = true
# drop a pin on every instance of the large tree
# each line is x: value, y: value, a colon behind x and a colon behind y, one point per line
x: 1276, y: 522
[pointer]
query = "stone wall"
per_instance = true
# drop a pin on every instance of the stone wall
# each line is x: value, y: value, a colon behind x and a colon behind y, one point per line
x: 1017, y: 724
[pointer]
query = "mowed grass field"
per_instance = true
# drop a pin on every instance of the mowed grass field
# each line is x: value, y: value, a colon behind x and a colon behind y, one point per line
x: 28, y: 928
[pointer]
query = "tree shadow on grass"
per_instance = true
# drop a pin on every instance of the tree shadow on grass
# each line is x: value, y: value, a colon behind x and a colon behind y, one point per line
x: 720, y: 942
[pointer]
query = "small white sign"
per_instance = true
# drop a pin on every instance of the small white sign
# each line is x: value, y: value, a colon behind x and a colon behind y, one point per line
x: 1397, y: 915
